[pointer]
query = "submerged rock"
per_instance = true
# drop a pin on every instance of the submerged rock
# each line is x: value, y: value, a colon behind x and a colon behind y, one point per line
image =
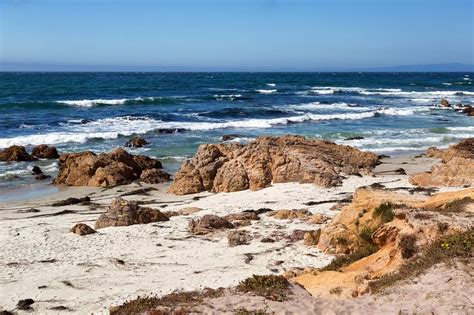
x: 15, y: 153
x: 123, y: 213
x: 136, y: 142
x: 45, y: 152
x: 104, y: 170
x: 234, y: 167
x: 36, y: 170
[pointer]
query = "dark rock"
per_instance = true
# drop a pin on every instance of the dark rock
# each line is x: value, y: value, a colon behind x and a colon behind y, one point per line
x: 354, y: 138
x: 170, y: 130
x: 267, y: 240
x: 36, y: 170
x: 136, y: 142
x: 236, y: 238
x: 444, y: 103
x: 123, y: 213
x: 25, y: 305
x: 42, y: 177
x: 45, y: 152
x: 82, y: 229
x: 15, y: 153
x: 207, y: 224
x: 72, y: 201
x: 229, y: 137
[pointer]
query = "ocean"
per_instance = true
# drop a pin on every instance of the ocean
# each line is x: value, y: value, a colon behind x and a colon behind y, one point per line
x: 394, y: 113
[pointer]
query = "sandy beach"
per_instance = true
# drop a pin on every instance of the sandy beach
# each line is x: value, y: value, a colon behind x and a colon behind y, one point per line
x: 41, y: 259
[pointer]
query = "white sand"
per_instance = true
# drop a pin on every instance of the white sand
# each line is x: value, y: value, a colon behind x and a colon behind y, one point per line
x: 159, y: 257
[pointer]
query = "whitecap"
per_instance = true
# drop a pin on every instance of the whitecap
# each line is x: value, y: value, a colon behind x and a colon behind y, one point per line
x: 266, y: 91
x: 271, y: 84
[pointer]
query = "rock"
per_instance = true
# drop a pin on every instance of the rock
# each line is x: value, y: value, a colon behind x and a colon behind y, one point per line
x: 236, y: 238
x: 15, y: 153
x: 189, y: 210
x: 36, y: 170
x: 207, y: 224
x: 25, y: 305
x: 444, y: 103
x: 229, y: 137
x: 233, y: 167
x: 154, y: 176
x: 301, y: 214
x: 42, y: 177
x: 136, y: 142
x: 123, y: 213
x: 296, y: 235
x: 242, y: 216
x: 106, y: 170
x: 267, y: 240
x: 318, y: 219
x: 468, y: 110
x: 311, y: 238
x: 354, y: 138
x: 82, y: 229
x: 45, y: 152
x: 456, y: 169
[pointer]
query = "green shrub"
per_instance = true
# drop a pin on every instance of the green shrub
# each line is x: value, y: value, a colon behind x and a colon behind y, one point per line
x: 385, y: 212
x: 272, y: 287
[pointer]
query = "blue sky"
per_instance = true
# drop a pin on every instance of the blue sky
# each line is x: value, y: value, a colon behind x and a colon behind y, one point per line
x: 236, y: 35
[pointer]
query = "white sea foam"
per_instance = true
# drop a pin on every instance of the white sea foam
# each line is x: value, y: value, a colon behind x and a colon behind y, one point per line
x: 231, y: 97
x: 387, y: 92
x: 94, y: 102
x: 266, y: 91
x: 271, y: 84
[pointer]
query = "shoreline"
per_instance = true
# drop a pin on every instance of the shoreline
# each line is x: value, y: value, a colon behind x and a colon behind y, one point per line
x: 94, y: 272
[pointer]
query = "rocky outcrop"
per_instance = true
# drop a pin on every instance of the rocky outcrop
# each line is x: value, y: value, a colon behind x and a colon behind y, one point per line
x: 45, y: 152
x: 15, y: 153
x: 207, y: 224
x: 234, y: 167
x: 82, y: 229
x: 123, y: 213
x: 136, y: 142
x: 417, y: 222
x: 456, y: 168
x: 105, y: 170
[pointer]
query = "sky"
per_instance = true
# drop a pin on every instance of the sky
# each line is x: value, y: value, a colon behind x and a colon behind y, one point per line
x: 246, y: 35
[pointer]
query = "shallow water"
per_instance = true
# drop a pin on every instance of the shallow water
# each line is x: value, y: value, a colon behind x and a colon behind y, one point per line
x: 396, y: 113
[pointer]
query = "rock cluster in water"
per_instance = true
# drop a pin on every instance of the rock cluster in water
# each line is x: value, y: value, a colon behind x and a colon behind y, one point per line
x: 17, y: 153
x: 234, y: 167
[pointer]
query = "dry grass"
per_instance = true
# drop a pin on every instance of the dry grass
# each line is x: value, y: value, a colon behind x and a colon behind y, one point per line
x: 446, y: 249
x: 272, y: 287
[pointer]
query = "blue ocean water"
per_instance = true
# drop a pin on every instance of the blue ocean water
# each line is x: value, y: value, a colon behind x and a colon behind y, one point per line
x: 395, y: 113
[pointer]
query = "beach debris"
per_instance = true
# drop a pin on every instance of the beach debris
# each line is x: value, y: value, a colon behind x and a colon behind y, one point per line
x: 25, y: 305
x: 123, y: 213
x: 136, y: 142
x: 15, y: 153
x: 248, y: 258
x: 43, y: 151
x: 236, y: 238
x: 234, y: 167
x: 72, y: 201
x: 105, y: 170
x: 207, y: 224
x: 82, y: 229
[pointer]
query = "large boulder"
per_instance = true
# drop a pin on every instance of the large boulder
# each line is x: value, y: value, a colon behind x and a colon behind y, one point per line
x: 123, y: 213
x: 15, y: 153
x: 234, y: 167
x: 456, y: 168
x: 106, y: 170
x: 45, y: 152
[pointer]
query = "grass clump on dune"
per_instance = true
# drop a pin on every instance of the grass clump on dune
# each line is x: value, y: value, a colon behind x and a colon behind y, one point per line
x: 272, y: 287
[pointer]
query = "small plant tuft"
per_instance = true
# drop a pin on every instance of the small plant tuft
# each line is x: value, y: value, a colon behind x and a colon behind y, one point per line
x: 385, y: 212
x: 407, y: 246
x: 272, y: 287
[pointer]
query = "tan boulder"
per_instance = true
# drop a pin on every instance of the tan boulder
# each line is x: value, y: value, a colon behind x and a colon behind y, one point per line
x: 234, y: 167
x: 208, y: 224
x: 311, y: 238
x: 82, y: 229
x: 301, y: 214
x: 106, y: 170
x: 15, y: 153
x: 123, y: 213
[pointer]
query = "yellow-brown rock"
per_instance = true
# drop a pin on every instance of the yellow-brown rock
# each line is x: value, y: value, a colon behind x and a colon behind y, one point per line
x: 234, y: 167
